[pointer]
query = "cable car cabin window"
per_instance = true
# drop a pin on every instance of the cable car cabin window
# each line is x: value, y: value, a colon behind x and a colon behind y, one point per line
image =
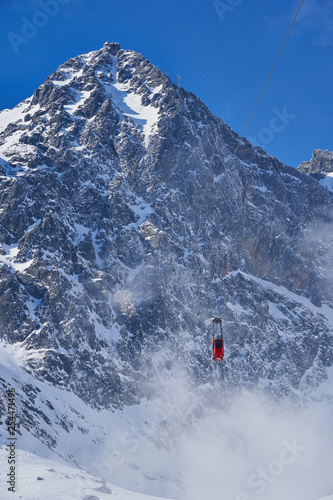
x: 218, y: 344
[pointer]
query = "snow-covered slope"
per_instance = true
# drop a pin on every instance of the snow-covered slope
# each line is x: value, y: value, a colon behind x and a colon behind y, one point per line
x: 43, y: 477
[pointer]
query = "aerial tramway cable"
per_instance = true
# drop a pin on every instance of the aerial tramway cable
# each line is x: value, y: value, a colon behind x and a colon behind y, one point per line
x: 230, y: 163
x: 245, y: 197
x: 254, y: 109
x: 227, y: 166
x: 241, y: 193
x: 270, y: 73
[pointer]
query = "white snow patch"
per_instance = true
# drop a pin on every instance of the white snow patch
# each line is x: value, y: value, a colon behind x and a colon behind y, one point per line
x: 69, y: 74
x: 142, y: 210
x: 327, y: 181
x: 59, y: 83
x: 132, y: 272
x: 11, y: 145
x: 263, y: 189
x: 325, y: 310
x: 130, y: 104
x: 97, y: 248
x: 81, y: 231
x: 275, y: 311
x: 9, y: 258
x: 8, y: 116
x: 218, y: 178
x: 238, y: 309
x: 32, y: 304
x: 110, y: 334
x: 38, y: 221
x: 81, y: 97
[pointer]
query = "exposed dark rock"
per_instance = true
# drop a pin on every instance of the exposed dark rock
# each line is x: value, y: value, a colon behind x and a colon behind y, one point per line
x: 321, y: 163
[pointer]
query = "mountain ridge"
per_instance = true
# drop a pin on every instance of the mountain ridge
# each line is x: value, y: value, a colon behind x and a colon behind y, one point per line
x: 124, y: 228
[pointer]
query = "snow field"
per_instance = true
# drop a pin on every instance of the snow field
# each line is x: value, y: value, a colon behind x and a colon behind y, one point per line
x: 42, y: 477
x: 9, y: 258
x: 129, y: 103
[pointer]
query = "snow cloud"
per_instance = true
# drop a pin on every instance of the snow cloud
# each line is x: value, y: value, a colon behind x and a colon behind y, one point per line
x: 196, y: 442
x: 252, y: 453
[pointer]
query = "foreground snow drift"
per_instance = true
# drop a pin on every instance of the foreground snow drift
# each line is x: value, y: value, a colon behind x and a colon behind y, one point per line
x: 40, y: 477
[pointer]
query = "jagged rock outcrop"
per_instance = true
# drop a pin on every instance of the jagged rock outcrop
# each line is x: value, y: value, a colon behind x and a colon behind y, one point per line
x: 321, y: 163
x: 320, y: 167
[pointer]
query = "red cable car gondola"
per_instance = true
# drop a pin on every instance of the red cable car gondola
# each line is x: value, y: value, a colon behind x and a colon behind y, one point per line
x: 218, y: 347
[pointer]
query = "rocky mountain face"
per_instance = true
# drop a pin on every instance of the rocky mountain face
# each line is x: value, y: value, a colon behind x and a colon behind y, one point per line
x: 129, y: 215
x: 320, y: 167
x: 321, y: 163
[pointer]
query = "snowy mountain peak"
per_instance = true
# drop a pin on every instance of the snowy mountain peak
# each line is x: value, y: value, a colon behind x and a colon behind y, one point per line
x: 126, y: 220
x: 320, y: 163
x: 320, y: 167
x: 108, y: 85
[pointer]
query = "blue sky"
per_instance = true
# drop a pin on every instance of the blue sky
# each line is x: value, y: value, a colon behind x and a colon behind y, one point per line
x: 222, y: 55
